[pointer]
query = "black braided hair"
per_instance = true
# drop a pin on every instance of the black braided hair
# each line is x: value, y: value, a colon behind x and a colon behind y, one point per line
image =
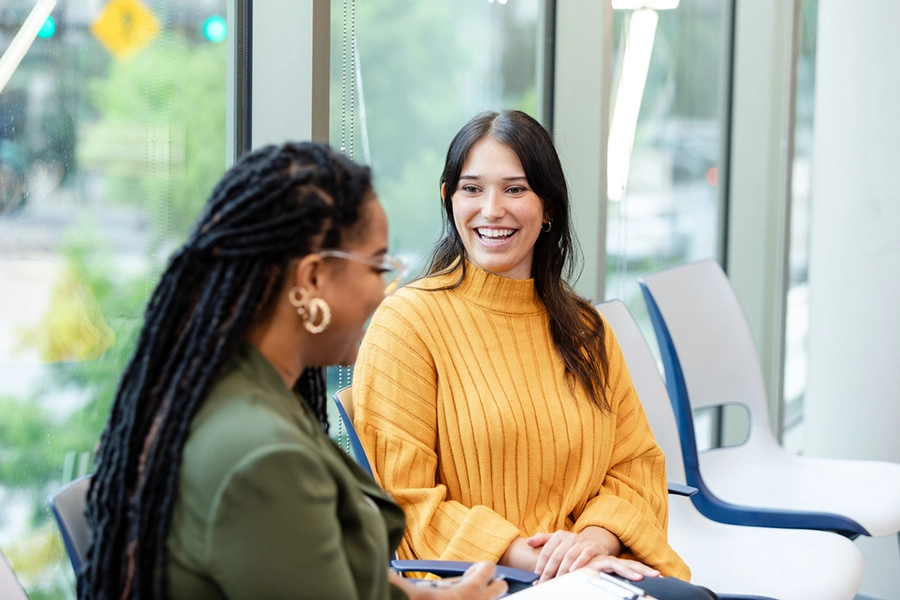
x: 276, y: 204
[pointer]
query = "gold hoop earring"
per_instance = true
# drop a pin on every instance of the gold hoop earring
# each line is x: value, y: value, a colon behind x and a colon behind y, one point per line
x: 299, y: 299
x: 317, y: 305
x: 309, y: 309
x: 549, y: 224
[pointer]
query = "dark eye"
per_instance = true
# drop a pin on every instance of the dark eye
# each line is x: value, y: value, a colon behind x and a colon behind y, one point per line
x: 469, y: 189
x: 516, y: 190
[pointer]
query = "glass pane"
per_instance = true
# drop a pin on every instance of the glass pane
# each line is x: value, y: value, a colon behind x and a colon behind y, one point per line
x: 797, y: 316
x: 664, y: 148
x: 664, y: 151
x: 112, y: 134
x: 420, y: 70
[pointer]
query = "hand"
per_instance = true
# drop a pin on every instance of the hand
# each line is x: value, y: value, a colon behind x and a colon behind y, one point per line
x: 564, y: 551
x: 629, y: 569
x: 476, y: 584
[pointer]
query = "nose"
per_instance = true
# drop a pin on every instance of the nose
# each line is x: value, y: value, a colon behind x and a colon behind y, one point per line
x: 493, y: 208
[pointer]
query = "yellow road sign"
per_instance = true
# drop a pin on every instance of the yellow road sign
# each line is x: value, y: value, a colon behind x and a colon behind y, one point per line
x: 124, y: 27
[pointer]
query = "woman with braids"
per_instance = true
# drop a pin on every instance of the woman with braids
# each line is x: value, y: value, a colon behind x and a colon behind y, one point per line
x: 215, y: 477
x: 495, y: 403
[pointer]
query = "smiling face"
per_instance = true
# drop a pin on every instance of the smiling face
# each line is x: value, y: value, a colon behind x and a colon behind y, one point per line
x: 496, y: 213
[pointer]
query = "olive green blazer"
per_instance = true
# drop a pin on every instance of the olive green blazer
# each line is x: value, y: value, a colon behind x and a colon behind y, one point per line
x: 269, y: 506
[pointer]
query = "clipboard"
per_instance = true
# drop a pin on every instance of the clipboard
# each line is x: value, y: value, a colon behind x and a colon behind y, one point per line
x: 585, y: 584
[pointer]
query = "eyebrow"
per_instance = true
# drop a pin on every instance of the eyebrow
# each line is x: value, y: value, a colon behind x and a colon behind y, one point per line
x: 515, y: 178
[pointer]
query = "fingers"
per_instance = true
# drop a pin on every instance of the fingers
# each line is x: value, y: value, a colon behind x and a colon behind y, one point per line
x: 565, y: 551
x: 497, y: 588
x: 559, y: 552
x: 479, y: 583
x: 547, y: 561
x: 581, y: 560
x: 629, y: 569
x: 480, y: 571
x: 395, y: 578
x: 538, y: 540
x: 561, y: 561
x: 642, y: 568
x: 576, y: 552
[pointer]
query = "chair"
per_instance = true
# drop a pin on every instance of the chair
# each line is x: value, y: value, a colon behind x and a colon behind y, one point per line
x: 10, y: 587
x: 710, y: 359
x: 782, y: 563
x: 517, y: 579
x: 343, y: 399
x: 67, y: 505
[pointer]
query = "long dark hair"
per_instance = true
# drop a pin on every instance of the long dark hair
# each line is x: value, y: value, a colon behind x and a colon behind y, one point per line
x: 276, y: 204
x: 575, y: 326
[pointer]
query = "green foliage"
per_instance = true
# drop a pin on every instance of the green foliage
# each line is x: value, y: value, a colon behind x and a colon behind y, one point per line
x: 160, y: 90
x: 413, y: 204
x: 31, y: 441
x: 121, y: 301
x: 38, y: 438
x: 166, y: 109
x: 159, y: 147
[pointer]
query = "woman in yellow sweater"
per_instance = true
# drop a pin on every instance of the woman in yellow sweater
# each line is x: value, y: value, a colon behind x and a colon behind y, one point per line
x: 495, y: 403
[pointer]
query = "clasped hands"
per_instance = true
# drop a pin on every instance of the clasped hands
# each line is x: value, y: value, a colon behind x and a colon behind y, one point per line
x: 548, y: 554
x: 558, y: 553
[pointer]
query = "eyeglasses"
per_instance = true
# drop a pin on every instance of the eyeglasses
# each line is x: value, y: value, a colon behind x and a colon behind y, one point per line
x: 393, y: 268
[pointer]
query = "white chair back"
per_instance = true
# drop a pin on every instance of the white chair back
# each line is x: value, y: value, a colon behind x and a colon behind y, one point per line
x: 10, y: 588
x: 68, y: 505
x: 648, y: 383
x: 345, y: 397
x: 711, y: 337
x: 729, y: 558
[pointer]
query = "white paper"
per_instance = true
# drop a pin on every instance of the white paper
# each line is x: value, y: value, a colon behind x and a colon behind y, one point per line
x: 581, y: 584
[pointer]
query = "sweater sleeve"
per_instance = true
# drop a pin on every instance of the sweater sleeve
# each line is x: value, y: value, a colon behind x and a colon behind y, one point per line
x: 632, y: 502
x: 395, y: 388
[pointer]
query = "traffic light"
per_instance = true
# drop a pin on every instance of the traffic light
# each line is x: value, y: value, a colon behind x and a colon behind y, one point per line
x: 48, y: 28
x: 215, y: 29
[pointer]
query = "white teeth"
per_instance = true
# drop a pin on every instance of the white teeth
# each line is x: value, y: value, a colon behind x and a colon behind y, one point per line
x: 495, y: 233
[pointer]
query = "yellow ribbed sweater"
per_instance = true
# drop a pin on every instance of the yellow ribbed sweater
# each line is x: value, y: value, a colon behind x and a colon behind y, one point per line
x: 463, y: 408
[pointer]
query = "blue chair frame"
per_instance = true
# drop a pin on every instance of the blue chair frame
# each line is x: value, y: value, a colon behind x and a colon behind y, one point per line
x: 72, y: 523
x: 359, y: 455
x: 705, y: 501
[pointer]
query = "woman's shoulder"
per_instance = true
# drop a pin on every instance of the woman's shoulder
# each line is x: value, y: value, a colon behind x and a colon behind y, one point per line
x: 417, y: 299
x: 242, y: 418
x: 434, y: 283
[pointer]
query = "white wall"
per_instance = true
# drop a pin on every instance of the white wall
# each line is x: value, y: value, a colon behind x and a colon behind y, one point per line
x: 852, y: 407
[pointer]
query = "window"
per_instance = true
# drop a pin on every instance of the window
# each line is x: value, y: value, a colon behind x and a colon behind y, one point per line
x: 665, y: 148
x: 797, y: 317
x: 665, y: 145
x: 112, y: 134
x: 406, y: 75
x: 414, y: 73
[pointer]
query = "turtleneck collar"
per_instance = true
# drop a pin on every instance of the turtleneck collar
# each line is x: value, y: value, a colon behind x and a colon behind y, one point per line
x: 491, y: 292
